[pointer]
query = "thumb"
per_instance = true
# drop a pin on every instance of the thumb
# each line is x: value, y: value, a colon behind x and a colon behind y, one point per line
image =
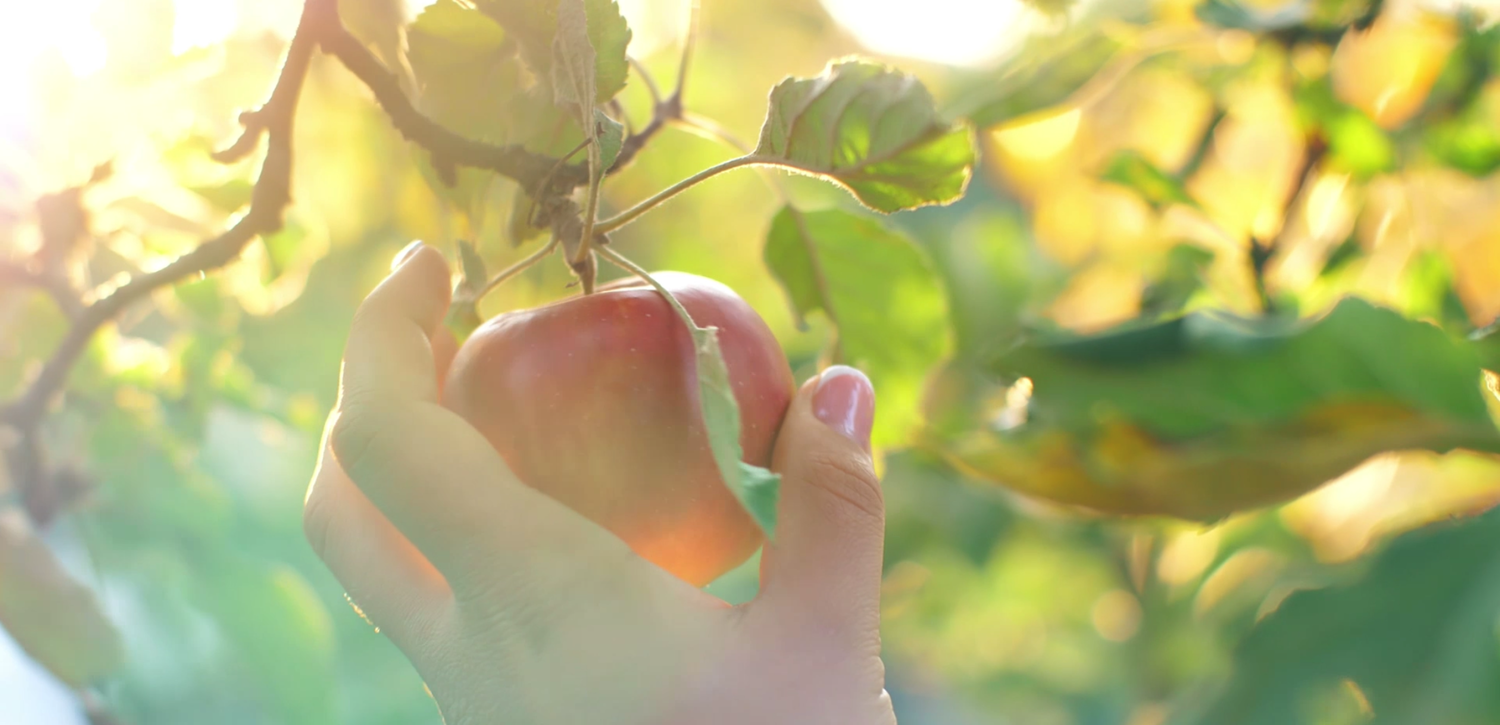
x: 830, y: 530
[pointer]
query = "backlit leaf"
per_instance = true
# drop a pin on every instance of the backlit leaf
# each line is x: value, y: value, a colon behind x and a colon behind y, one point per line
x: 756, y: 488
x: 873, y: 130
x: 1206, y: 415
x: 467, y: 79
x: 610, y: 137
x: 534, y: 24
x: 880, y: 289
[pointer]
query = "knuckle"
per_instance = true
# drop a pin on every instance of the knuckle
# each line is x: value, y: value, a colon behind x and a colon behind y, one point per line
x: 847, y: 482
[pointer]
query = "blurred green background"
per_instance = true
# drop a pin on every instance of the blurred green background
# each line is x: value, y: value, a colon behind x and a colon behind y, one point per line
x: 1134, y: 155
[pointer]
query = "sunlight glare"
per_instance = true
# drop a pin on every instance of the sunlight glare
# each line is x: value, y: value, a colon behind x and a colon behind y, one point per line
x: 954, y: 32
x: 200, y: 23
x: 29, y: 31
x: 26, y: 32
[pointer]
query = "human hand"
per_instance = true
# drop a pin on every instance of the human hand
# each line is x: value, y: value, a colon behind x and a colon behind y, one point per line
x: 516, y: 610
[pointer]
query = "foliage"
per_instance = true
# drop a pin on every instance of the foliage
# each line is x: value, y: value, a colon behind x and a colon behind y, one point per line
x: 1172, y: 312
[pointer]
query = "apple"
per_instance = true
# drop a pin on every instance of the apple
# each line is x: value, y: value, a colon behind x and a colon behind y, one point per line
x: 593, y: 401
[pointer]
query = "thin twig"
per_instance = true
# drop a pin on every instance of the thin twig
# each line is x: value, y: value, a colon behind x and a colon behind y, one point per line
x: 516, y: 268
x: 711, y: 129
x: 663, y: 110
x: 689, y: 41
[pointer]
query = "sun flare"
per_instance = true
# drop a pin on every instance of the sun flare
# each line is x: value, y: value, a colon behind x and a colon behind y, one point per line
x: 954, y: 32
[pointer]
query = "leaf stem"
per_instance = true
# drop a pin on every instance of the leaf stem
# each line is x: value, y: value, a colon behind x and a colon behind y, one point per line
x: 624, y: 263
x: 711, y: 129
x: 606, y: 226
x: 516, y: 268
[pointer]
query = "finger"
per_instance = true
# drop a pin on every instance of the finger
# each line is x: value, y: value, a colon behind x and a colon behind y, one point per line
x: 826, y: 559
x: 389, y: 354
x: 434, y: 476
x: 386, y: 577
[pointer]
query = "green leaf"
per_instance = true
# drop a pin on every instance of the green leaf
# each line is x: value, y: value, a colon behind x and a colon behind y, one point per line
x: 1486, y: 343
x: 1207, y: 414
x: 474, y: 274
x: 573, y: 61
x: 1355, y: 142
x: 1181, y: 277
x: 1468, y: 142
x: 1160, y: 189
x: 573, y: 88
x: 1416, y: 634
x: 279, y: 632
x: 535, y: 25
x: 610, y: 136
x: 56, y: 620
x: 467, y: 79
x: 756, y: 488
x: 881, y: 292
x: 1359, y: 145
x: 873, y: 130
x: 609, y: 35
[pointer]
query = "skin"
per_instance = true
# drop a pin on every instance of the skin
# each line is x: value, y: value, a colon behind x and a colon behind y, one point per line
x: 517, y: 610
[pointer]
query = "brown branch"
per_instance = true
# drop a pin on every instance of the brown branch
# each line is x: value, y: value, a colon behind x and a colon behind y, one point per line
x: 448, y: 148
x: 67, y: 299
x: 271, y: 196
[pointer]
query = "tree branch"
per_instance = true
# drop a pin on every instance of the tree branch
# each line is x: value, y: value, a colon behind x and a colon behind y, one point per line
x: 268, y: 202
x: 448, y: 148
x: 67, y: 299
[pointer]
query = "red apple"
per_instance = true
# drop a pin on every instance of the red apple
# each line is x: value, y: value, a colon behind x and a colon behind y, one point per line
x: 594, y: 401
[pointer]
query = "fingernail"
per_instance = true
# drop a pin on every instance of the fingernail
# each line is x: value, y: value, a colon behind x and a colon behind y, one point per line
x: 845, y: 402
x: 407, y: 253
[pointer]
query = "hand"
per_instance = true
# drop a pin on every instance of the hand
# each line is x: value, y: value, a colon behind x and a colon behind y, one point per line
x: 516, y: 610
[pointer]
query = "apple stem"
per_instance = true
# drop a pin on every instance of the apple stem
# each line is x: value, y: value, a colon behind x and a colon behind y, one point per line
x: 516, y: 268
x: 624, y: 263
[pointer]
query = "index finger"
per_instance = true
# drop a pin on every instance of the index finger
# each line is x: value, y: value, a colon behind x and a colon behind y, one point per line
x: 389, y: 355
